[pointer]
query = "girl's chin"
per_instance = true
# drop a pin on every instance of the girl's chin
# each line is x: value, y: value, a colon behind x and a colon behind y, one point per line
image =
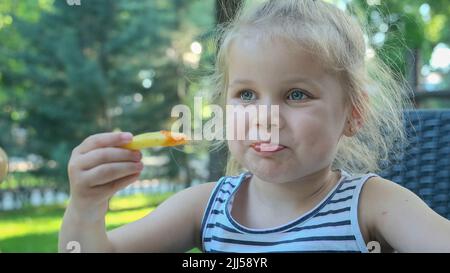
x: 273, y: 178
x: 271, y: 172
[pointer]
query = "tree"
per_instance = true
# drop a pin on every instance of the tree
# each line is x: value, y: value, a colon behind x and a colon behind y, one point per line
x: 100, y: 66
x: 406, y: 30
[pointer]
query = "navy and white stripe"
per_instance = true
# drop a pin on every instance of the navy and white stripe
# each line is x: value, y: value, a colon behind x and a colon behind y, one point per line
x: 332, y: 226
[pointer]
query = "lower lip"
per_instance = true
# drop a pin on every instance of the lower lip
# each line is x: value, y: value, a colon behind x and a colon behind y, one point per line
x: 267, y: 148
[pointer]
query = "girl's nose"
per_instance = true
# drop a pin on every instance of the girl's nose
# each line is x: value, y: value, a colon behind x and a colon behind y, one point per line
x: 269, y: 115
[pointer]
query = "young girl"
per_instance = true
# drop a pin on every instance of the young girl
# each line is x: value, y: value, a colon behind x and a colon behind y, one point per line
x: 314, y: 191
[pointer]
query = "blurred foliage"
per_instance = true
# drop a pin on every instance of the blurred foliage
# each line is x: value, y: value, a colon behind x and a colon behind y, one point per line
x: 29, y: 180
x: 396, y: 27
x: 404, y: 34
x: 67, y: 72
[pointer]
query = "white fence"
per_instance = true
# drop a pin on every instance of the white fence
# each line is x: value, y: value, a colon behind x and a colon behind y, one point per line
x: 11, y: 200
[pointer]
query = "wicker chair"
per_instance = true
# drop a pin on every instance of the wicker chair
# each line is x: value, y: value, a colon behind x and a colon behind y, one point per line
x: 424, y: 165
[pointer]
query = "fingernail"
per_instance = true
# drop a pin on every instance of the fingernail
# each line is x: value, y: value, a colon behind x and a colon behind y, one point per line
x: 126, y: 136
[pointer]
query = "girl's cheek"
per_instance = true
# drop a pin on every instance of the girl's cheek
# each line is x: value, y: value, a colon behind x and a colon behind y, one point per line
x: 321, y: 142
x: 311, y: 131
x: 237, y: 150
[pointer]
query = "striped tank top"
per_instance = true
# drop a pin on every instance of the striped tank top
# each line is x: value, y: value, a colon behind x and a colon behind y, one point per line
x: 331, y: 226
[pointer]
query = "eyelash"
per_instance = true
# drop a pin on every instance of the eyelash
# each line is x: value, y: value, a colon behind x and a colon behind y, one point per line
x: 305, y: 94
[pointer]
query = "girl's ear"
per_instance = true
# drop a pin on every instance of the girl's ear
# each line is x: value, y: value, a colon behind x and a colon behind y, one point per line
x: 355, y: 121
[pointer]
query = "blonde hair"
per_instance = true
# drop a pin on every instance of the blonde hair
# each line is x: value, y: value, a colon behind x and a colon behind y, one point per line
x: 337, y: 40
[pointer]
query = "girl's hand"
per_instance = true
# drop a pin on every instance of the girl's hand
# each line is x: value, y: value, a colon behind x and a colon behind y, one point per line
x: 98, y: 168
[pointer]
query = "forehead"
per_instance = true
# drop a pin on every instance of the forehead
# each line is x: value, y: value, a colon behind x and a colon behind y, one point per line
x: 272, y: 55
x: 269, y: 61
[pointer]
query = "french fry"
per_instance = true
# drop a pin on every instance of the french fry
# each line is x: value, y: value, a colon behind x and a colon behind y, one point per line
x: 156, y: 139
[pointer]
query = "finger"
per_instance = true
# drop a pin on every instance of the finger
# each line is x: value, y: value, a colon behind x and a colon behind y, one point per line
x: 101, y: 156
x: 104, y: 140
x: 105, y: 173
x: 121, y: 183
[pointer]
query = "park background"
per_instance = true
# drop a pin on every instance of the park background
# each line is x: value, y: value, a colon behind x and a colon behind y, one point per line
x: 68, y: 71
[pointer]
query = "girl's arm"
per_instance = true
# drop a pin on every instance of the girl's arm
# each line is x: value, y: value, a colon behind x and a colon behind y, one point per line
x: 174, y: 226
x: 98, y: 168
x: 396, y: 216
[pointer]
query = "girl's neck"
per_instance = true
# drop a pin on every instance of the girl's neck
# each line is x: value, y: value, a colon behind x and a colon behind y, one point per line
x: 302, y: 193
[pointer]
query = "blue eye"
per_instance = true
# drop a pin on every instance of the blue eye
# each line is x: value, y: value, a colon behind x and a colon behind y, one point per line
x: 296, y: 94
x: 247, y: 95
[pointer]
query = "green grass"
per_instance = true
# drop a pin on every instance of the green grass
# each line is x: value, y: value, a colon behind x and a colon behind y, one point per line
x: 36, y: 229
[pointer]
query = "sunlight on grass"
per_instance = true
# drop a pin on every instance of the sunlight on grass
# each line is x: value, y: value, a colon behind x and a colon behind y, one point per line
x: 138, y: 200
x: 17, y: 228
x: 122, y: 217
x: 36, y: 229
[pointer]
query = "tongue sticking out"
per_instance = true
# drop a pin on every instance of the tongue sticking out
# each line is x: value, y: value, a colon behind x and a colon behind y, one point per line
x: 269, y: 147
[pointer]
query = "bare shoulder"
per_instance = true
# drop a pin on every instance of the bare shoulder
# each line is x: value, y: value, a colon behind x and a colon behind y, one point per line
x: 377, y: 191
x: 198, y: 194
x: 394, y: 216
x: 203, y: 189
x: 196, y: 198
x: 381, y: 196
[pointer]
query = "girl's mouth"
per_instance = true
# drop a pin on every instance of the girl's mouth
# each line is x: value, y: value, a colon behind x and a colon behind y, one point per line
x: 265, y: 147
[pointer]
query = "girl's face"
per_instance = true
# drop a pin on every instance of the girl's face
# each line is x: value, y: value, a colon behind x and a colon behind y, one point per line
x: 312, y: 112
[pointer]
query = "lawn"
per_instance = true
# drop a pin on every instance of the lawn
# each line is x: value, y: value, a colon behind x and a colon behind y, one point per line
x: 36, y: 229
